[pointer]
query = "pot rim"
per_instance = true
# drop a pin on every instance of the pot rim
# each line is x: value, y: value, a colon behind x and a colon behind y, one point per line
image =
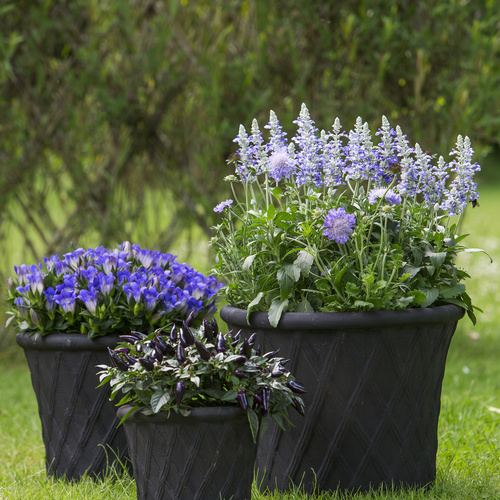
x: 345, y: 320
x: 208, y: 413
x: 66, y: 342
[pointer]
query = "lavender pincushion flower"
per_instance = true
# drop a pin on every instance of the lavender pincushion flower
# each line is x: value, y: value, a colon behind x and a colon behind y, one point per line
x: 338, y: 225
x: 222, y: 205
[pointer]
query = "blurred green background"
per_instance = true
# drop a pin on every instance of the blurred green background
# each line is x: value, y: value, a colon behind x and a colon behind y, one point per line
x: 116, y: 118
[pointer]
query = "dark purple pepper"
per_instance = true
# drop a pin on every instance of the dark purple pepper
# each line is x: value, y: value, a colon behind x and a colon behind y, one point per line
x: 202, y: 351
x: 239, y: 374
x: 299, y: 406
x: 221, y: 343
x: 161, y: 345
x: 271, y: 354
x: 240, y: 360
x: 207, y: 330
x: 181, y: 356
x: 158, y: 356
x: 257, y: 400
x: 129, y: 338
x: 138, y: 347
x: 122, y: 350
x: 277, y: 373
x: 173, y: 334
x: 251, y: 339
x: 179, y: 392
x: 246, y: 349
x: 284, y: 361
x: 256, y: 350
x: 190, y: 319
x: 186, y: 336
x: 295, y: 387
x: 242, y: 400
x: 138, y: 335
x: 131, y: 360
x: 266, y: 395
x: 236, y: 336
x: 117, y: 361
x: 147, y: 363
x: 170, y: 350
x: 215, y: 327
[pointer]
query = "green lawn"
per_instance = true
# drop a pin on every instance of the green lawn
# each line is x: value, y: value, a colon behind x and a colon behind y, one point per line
x: 469, y: 433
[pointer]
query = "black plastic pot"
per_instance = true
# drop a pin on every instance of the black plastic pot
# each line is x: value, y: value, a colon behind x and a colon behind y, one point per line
x: 79, y: 423
x: 374, y: 387
x: 209, y: 454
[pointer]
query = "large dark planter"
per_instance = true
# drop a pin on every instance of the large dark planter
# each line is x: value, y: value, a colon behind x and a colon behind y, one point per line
x: 79, y: 423
x: 374, y: 388
x: 209, y: 454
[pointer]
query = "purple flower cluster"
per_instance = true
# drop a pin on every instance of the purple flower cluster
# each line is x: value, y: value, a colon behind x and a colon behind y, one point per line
x: 98, y: 291
x: 318, y: 158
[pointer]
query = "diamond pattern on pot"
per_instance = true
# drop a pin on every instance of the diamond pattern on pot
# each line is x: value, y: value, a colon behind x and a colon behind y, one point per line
x: 372, y: 407
x: 187, y: 459
x: 77, y: 419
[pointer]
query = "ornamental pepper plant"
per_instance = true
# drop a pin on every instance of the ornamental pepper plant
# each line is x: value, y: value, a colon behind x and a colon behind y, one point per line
x: 100, y: 291
x: 342, y: 221
x: 178, y: 368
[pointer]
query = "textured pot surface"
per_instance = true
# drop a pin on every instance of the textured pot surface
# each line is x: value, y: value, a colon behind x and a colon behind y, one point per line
x: 79, y: 423
x: 209, y: 454
x: 372, y: 407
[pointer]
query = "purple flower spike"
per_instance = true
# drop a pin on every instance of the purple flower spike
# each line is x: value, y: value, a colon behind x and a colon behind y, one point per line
x: 389, y: 195
x: 338, y: 225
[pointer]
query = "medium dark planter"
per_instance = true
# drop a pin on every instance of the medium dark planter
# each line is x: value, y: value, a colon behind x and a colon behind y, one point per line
x: 209, y: 454
x: 372, y: 407
x: 79, y: 423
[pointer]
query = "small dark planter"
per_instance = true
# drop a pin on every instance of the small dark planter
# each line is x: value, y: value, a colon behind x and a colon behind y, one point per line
x: 79, y: 424
x: 208, y: 455
x: 374, y: 387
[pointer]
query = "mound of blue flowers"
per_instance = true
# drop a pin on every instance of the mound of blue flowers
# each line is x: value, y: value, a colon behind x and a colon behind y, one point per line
x: 101, y: 291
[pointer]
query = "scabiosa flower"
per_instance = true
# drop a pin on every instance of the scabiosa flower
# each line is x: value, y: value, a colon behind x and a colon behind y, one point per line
x: 221, y: 206
x: 382, y: 193
x: 338, y: 225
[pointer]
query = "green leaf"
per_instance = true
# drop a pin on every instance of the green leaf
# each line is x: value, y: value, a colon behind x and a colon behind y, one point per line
x: 473, y: 250
x: 437, y: 258
x: 248, y: 262
x: 451, y: 292
x: 431, y: 294
x: 253, y: 419
x: 304, y: 306
x: 304, y: 261
x: 293, y: 271
x: 276, y: 310
x: 137, y: 407
x: 229, y: 395
x: 270, y: 212
x: 158, y: 399
x: 285, y: 282
x: 254, y: 303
